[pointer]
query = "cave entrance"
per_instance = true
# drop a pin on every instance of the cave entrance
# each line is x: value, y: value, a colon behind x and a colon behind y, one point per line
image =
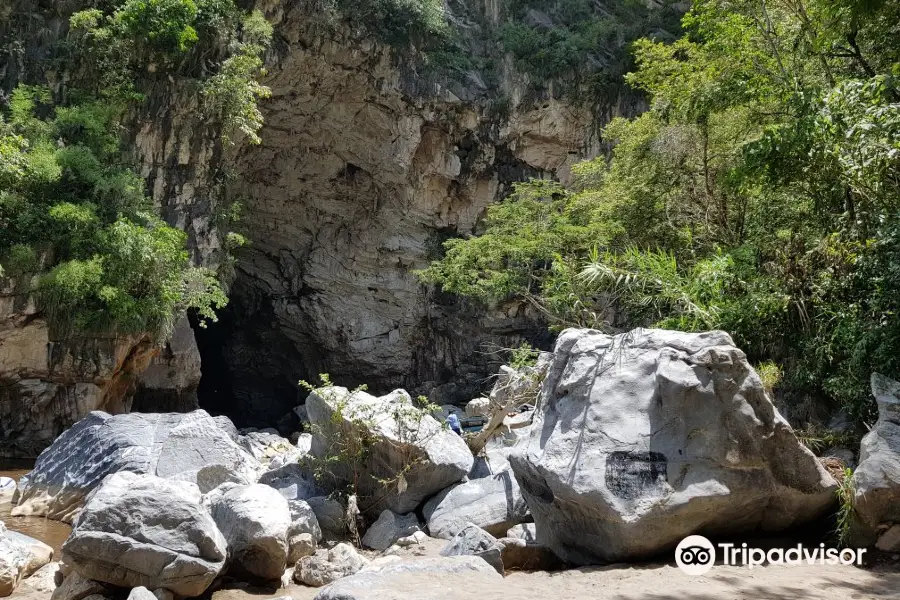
x: 249, y: 371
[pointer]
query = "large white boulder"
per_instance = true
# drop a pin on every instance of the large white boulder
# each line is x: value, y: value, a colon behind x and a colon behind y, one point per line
x: 254, y: 520
x: 876, y: 481
x: 643, y: 438
x: 191, y: 447
x: 493, y: 503
x: 15, y: 558
x: 142, y: 530
x: 400, y: 439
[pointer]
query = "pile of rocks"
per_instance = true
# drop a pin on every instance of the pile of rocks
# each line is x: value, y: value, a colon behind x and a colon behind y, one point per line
x: 628, y: 444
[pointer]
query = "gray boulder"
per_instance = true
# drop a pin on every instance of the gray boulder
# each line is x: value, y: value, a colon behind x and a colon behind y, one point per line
x: 479, y: 407
x: 876, y: 481
x: 389, y: 528
x: 292, y: 480
x: 330, y: 514
x: 76, y: 587
x: 39, y: 553
x: 643, y: 438
x: 474, y: 541
x: 493, y: 503
x: 326, y: 566
x: 190, y: 447
x: 402, y: 441
x: 142, y: 530
x: 254, y: 520
x: 414, y: 579
x: 303, y: 519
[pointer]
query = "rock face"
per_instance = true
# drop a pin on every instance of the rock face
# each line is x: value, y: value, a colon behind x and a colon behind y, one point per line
x: 876, y: 480
x: 417, y: 579
x: 254, y: 520
x: 493, y: 503
x: 474, y: 541
x: 169, y: 383
x: 363, y: 170
x: 46, y: 384
x: 141, y: 530
x: 400, y: 440
x: 643, y: 438
x: 188, y: 447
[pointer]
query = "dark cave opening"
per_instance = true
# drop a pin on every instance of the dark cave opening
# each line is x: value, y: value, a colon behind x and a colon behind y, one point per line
x: 240, y: 381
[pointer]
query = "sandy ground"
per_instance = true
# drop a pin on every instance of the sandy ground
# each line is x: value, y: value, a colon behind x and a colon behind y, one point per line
x: 656, y: 582
x: 651, y: 581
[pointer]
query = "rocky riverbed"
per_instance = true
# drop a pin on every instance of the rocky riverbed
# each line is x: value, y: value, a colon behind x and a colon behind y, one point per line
x: 607, y: 451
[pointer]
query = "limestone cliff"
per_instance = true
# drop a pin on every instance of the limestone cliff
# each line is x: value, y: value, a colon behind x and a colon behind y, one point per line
x: 360, y: 177
x: 368, y: 163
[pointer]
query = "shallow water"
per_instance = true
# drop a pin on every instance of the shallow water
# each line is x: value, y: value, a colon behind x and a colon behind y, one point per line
x: 52, y: 533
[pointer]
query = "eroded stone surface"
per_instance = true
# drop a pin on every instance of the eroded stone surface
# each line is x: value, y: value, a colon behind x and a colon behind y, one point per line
x: 641, y: 439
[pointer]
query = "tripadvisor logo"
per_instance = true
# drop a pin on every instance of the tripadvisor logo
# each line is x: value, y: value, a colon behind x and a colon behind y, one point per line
x: 696, y: 555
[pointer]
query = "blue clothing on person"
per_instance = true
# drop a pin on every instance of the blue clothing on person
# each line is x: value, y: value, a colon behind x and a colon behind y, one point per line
x: 453, y: 421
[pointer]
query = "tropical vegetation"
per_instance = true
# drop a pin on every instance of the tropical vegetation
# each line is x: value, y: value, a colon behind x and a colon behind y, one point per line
x: 759, y: 194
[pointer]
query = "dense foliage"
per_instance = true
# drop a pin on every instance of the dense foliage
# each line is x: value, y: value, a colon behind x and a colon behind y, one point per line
x: 141, y: 45
x: 758, y: 195
x: 73, y: 210
x: 581, y: 46
x: 70, y: 208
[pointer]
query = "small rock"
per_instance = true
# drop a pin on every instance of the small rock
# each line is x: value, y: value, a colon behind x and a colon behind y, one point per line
x: 389, y: 528
x: 472, y: 540
x: 326, y: 566
x: 163, y: 594
x: 416, y: 539
x: 302, y: 544
x: 76, y: 587
x: 141, y: 593
x: 889, y: 541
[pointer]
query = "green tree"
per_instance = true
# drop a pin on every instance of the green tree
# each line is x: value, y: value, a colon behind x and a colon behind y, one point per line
x: 759, y: 195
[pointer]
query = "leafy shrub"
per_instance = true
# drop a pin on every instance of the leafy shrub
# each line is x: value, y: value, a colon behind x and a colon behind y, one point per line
x: 117, y: 269
x: 345, y: 462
